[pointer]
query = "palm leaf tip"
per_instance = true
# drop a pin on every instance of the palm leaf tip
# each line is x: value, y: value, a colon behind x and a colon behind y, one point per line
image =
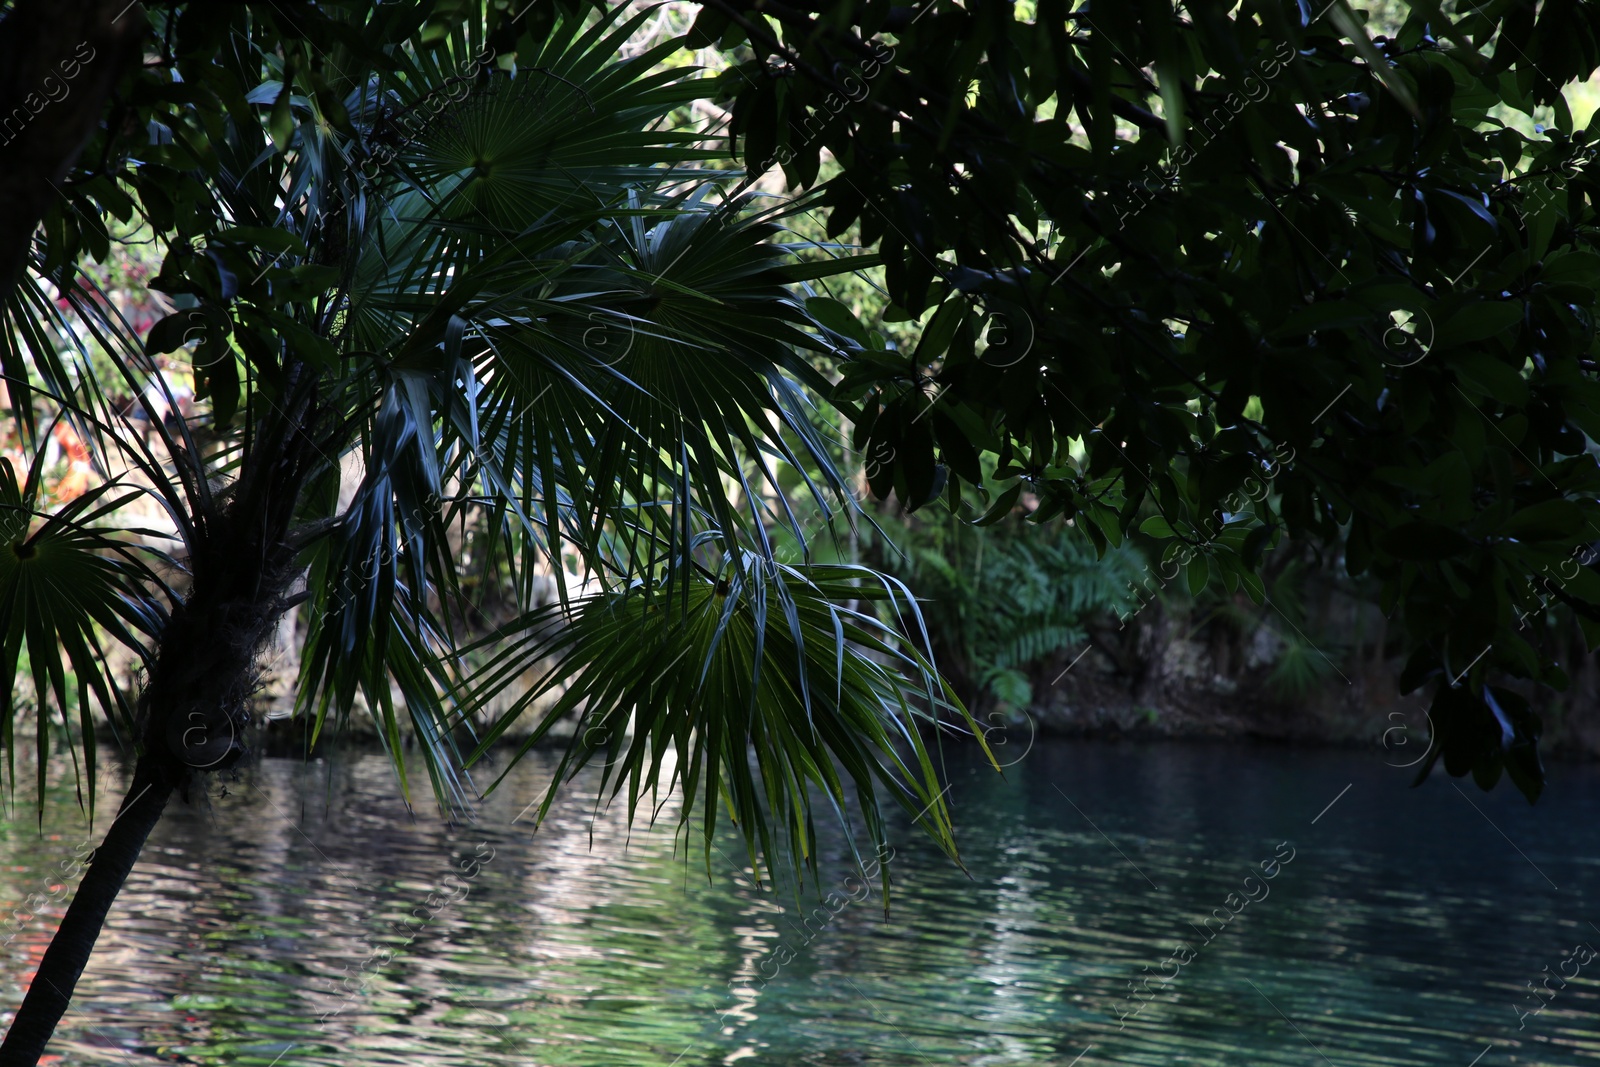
x: 757, y: 689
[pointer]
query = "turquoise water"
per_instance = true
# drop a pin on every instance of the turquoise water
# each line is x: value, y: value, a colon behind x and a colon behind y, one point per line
x: 1399, y: 926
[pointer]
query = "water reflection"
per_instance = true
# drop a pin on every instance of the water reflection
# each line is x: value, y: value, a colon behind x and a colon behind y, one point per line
x: 306, y: 918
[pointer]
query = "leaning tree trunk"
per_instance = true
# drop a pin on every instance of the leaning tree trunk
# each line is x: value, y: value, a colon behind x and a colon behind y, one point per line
x: 51, y: 991
x: 193, y: 710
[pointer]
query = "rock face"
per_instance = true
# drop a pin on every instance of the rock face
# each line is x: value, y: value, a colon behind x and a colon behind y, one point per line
x: 1165, y: 677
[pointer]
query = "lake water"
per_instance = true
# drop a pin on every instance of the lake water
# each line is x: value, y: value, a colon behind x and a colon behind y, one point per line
x: 1401, y: 926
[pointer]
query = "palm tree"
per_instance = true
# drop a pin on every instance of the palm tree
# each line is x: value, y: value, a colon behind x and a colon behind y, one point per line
x: 520, y: 295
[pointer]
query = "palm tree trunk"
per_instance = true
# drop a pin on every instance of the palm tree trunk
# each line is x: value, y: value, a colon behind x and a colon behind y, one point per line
x: 63, y: 962
x: 199, y: 686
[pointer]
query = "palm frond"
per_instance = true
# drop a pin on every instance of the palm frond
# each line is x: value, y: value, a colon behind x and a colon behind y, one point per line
x: 761, y: 697
x: 65, y: 586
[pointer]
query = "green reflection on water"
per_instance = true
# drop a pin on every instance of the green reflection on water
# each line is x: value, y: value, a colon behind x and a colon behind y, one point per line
x: 269, y: 926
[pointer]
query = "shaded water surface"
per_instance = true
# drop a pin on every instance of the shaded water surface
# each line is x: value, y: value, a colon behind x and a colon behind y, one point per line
x: 1107, y: 915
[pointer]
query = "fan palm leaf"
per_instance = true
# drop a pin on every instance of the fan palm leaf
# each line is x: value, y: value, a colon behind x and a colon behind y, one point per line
x: 763, y: 690
x: 63, y: 584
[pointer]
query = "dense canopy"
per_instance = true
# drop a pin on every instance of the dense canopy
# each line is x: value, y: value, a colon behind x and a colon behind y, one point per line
x: 1229, y: 272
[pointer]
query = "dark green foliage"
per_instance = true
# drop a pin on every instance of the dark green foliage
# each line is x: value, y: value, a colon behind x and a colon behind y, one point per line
x: 1006, y: 598
x: 1234, y: 231
x: 1307, y: 659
